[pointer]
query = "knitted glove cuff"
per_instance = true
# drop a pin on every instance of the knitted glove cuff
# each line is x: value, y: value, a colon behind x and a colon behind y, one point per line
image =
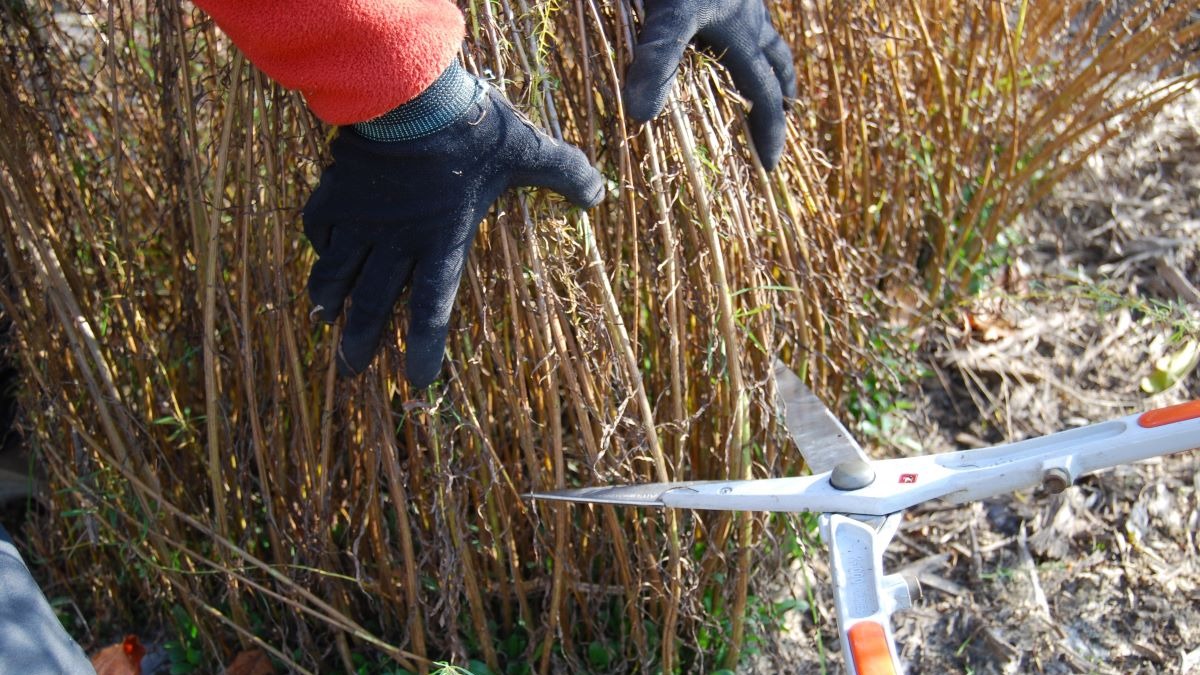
x: 434, y: 109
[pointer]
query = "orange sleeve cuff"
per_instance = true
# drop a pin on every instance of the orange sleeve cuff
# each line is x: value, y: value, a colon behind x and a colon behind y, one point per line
x: 351, y: 59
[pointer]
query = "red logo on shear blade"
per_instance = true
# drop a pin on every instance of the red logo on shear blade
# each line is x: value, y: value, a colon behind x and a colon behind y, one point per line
x: 908, y: 478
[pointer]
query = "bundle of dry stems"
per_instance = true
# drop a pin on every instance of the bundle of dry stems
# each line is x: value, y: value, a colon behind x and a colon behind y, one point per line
x: 199, y: 452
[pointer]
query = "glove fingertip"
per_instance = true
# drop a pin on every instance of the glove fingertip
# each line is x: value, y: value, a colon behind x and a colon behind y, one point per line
x: 347, y: 368
x: 421, y: 371
x: 592, y: 192
x: 356, y: 351
x: 769, y: 140
x: 770, y: 158
x: 790, y: 93
x: 587, y: 185
x: 322, y: 314
x: 326, y: 300
x: 768, y: 129
x: 563, y: 168
x: 642, y: 106
x: 420, y: 380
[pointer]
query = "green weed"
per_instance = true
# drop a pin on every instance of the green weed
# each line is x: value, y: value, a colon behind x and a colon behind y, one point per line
x: 184, y: 652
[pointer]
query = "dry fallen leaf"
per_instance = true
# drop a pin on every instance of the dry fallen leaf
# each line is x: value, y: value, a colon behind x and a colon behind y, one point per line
x: 123, y: 658
x: 987, y: 326
x: 253, y: 662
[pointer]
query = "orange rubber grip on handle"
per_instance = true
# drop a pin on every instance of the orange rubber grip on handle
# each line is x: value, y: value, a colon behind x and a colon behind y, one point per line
x: 1170, y: 415
x: 869, y: 649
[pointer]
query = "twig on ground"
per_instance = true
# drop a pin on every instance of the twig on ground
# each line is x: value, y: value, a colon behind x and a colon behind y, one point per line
x: 1179, y: 283
x: 1027, y: 565
x: 1001, y: 647
x: 976, y: 558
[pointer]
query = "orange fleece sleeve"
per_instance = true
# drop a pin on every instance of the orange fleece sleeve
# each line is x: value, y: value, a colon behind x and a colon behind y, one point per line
x: 353, y: 60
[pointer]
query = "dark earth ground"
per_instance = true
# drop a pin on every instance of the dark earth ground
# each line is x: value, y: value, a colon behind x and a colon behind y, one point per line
x: 1103, y: 578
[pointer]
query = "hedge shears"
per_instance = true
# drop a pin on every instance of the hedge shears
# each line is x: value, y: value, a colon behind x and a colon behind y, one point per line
x: 861, y: 501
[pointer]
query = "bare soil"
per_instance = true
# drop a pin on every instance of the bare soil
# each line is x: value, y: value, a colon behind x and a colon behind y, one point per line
x: 1105, y: 577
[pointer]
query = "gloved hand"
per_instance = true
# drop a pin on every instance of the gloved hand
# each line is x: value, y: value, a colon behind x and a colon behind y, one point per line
x: 401, y: 204
x: 740, y: 33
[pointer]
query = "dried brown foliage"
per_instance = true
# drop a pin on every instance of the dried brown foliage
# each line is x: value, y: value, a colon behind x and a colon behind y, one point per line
x: 201, y: 451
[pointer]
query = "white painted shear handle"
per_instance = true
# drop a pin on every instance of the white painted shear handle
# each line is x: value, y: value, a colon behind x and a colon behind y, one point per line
x: 865, y: 598
x: 1059, y: 459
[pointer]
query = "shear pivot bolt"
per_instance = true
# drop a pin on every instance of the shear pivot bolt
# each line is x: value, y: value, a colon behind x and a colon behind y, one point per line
x: 1056, y: 480
x: 852, y: 475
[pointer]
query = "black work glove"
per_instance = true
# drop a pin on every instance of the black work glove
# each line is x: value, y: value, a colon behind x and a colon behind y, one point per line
x: 389, y: 214
x: 740, y: 33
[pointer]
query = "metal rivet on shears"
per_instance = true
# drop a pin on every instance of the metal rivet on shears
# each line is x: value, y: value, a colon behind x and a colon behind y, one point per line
x: 852, y: 475
x: 1056, y: 479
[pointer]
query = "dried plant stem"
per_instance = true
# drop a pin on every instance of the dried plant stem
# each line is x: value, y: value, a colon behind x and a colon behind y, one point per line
x: 328, y: 612
x: 399, y: 496
x: 737, y: 453
x: 212, y: 384
x: 620, y: 552
x: 470, y: 575
x: 675, y: 325
x: 620, y: 335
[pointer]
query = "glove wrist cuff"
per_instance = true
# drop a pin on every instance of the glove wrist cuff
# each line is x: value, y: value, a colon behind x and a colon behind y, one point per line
x: 439, y: 106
